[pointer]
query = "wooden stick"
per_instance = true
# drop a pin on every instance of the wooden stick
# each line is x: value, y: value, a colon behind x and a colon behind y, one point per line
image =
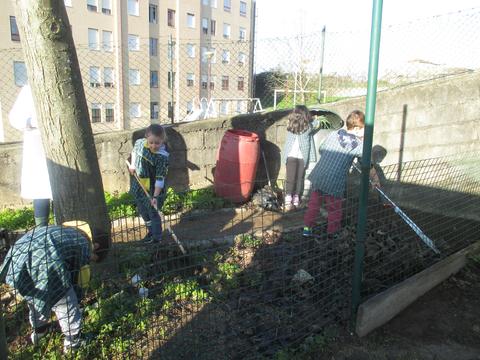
x: 162, y: 217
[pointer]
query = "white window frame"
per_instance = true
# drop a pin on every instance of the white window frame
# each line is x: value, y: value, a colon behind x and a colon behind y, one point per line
x: 134, y: 77
x: 95, y: 106
x: 189, y: 107
x: 152, y: 14
x: 205, y: 26
x: 135, y: 110
x: 191, y: 50
x: 242, y: 34
x: 68, y: 3
x: 133, y: 7
x: 92, y: 5
x: 190, y: 79
x: 109, y: 106
x: 94, y: 76
x: 243, y: 4
x: 107, y: 7
x: 204, y: 81
x: 108, y: 77
x: 91, y: 34
x: 214, y: 4
x: 242, y: 58
x: 225, y: 56
x: 191, y: 20
x: 155, y: 106
x: 107, y: 44
x: 227, y: 31
x: 227, y: 5
x: 223, y: 107
x: 133, y: 42
x: 153, y: 50
x: 153, y: 85
x: 20, y: 73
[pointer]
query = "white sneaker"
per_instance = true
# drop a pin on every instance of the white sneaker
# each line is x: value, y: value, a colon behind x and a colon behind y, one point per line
x: 296, y: 200
x: 288, y: 202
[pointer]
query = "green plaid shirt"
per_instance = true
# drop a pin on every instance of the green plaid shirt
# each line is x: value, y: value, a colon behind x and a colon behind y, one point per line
x: 44, y: 264
x: 305, y: 141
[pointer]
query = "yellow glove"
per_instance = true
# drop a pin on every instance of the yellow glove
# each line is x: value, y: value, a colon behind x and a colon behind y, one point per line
x: 84, y: 276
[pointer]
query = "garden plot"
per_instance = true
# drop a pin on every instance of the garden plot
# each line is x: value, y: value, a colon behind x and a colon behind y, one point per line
x: 252, y: 296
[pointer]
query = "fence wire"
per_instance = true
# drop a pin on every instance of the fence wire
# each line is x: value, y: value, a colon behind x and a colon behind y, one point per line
x: 250, y: 284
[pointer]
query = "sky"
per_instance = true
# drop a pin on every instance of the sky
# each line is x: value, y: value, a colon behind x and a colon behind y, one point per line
x: 278, y: 18
x: 417, y: 35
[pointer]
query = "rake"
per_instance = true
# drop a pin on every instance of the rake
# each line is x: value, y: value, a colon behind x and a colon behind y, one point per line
x: 162, y: 217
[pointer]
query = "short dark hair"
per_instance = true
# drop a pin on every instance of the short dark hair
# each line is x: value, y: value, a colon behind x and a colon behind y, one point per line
x: 156, y: 130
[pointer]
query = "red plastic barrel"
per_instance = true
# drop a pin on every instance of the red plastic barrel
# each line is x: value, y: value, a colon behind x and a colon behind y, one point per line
x: 237, y: 160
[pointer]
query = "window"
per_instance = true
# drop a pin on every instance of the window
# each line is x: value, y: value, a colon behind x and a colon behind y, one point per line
x: 20, y: 73
x: 170, y: 110
x: 243, y: 8
x: 133, y: 7
x: 170, y: 51
x: 153, y: 78
x: 134, y: 76
x: 227, y: 5
x: 190, y: 79
x: 171, y: 79
x: 206, y: 2
x: 212, y: 82
x: 93, y: 39
x: 205, y: 26
x: 241, y: 83
x: 213, y: 26
x: 190, y: 20
x: 135, y: 110
x: 96, y: 110
x: 226, y: 31
x: 242, y: 58
x: 154, y: 110
x: 223, y: 107
x: 224, y: 82
x: 14, y: 34
x: 94, y: 72
x: 92, y: 5
x: 225, y: 57
x: 191, y: 50
x: 68, y: 3
x: 213, y: 56
x: 204, y: 81
x: 153, y: 46
x: 243, y: 34
x: 239, y: 106
x: 171, y: 17
x: 189, y: 107
x: 213, y: 3
x: 107, y: 40
x: 109, y: 112
x: 152, y: 14
x: 108, y: 77
x: 133, y: 42
x: 107, y: 7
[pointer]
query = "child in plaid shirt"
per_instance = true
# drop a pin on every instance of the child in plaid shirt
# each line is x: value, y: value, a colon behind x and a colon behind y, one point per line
x: 329, y: 176
x: 150, y: 161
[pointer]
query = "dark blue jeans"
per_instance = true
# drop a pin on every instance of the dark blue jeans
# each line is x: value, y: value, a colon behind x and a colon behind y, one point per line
x: 41, y: 211
x: 152, y: 219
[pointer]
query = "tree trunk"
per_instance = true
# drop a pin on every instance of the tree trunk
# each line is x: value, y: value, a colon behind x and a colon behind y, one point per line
x: 56, y: 82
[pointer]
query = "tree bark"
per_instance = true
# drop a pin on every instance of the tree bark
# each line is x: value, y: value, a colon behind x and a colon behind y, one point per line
x: 61, y: 107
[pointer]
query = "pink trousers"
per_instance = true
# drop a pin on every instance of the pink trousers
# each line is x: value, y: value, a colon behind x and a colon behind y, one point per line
x: 334, y: 209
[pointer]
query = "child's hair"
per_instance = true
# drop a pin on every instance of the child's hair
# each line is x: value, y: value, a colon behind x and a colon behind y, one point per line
x: 355, y: 119
x: 156, y: 130
x: 299, y: 119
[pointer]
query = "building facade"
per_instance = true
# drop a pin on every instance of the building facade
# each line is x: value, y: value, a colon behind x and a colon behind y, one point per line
x: 146, y: 61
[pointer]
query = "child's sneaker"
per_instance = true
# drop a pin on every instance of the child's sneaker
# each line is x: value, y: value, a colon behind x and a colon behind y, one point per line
x: 288, y: 202
x: 307, y: 231
x: 296, y: 200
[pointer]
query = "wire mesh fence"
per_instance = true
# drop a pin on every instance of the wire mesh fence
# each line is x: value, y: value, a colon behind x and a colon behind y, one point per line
x: 145, y: 80
x: 250, y: 284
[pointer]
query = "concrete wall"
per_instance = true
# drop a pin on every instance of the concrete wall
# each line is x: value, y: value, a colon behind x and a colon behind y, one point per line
x: 414, y: 122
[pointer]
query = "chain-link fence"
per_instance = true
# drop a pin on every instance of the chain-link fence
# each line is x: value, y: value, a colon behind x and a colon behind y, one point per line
x: 328, y: 66
x: 250, y: 284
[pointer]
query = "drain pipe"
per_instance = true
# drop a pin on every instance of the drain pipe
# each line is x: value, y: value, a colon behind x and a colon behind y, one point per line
x: 366, y: 156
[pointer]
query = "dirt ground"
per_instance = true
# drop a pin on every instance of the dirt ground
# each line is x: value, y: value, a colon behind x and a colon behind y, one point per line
x: 443, y: 324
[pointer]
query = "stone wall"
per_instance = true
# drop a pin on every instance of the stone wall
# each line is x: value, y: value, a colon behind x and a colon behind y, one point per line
x: 414, y: 122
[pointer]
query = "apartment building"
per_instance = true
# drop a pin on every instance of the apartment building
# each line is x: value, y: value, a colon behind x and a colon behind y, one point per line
x: 146, y: 61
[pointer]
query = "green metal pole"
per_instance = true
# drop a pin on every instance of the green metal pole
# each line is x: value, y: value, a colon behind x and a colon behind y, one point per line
x: 320, y: 70
x: 366, y: 156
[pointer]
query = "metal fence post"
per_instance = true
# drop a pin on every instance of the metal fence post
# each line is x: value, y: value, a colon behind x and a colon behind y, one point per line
x: 320, y: 70
x: 366, y: 156
x: 3, y: 334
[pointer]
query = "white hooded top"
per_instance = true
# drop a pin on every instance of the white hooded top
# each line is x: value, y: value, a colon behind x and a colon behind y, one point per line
x: 35, y: 183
